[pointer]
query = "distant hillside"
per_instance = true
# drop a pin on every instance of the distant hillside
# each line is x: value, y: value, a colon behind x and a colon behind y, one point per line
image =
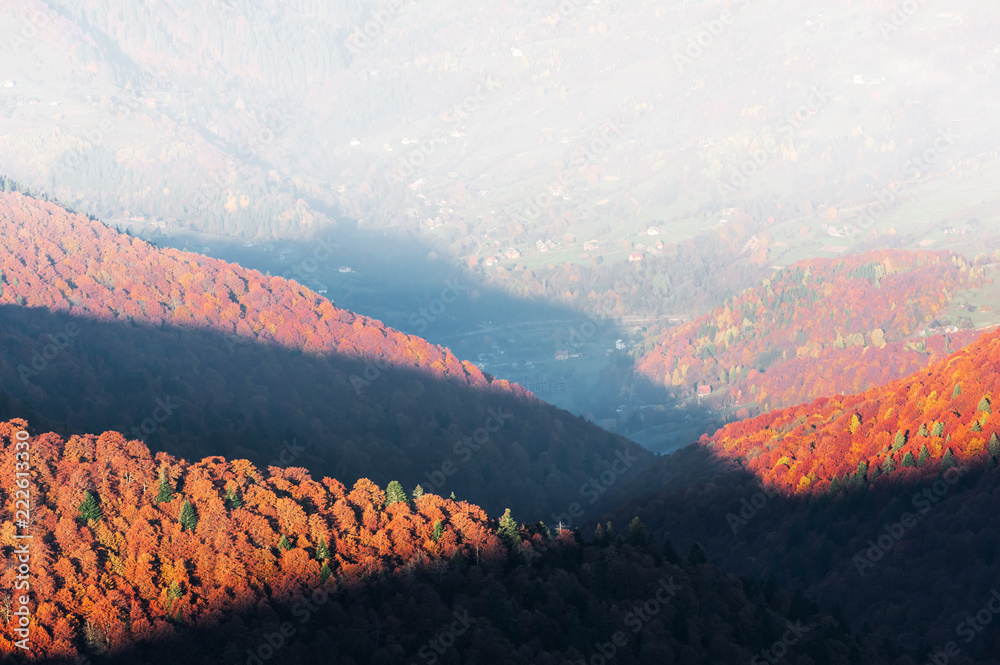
x: 908, y: 429
x: 820, y: 327
x: 158, y: 560
x: 102, y: 331
x: 883, y: 502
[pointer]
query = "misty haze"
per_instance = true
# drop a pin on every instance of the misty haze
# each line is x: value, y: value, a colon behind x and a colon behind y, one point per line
x: 582, y: 331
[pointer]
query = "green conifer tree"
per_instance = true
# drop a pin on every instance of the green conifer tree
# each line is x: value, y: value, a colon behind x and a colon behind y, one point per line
x: 324, y: 573
x: 923, y: 431
x: 924, y: 456
x: 283, y: 543
x: 957, y: 391
x: 984, y: 405
x: 438, y: 531
x: 233, y: 499
x: 637, y: 533
x: 948, y: 460
x: 188, y: 518
x: 994, y: 446
x: 394, y: 494
x: 166, y: 492
x: 976, y: 427
x: 908, y: 460
x: 938, y: 429
x: 322, y: 550
x: 418, y: 492
x: 90, y: 508
x: 508, y: 531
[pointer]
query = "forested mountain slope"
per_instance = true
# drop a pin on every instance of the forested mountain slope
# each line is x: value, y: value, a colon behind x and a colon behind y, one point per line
x: 154, y: 560
x: 819, y: 327
x: 102, y: 331
x: 883, y: 502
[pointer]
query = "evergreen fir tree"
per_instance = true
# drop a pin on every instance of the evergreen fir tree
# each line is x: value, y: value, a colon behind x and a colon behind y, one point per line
x: 394, y: 494
x: 835, y: 485
x: 188, y: 518
x: 938, y: 429
x: 438, y: 531
x: 924, y: 456
x: 976, y: 427
x: 900, y: 440
x: 923, y: 430
x: 508, y: 531
x: 637, y: 533
x: 322, y: 550
x: 888, y: 466
x: 862, y: 472
x: 233, y: 499
x: 452, y: 497
x: 166, y: 492
x: 90, y: 509
x: 283, y: 543
x: 957, y: 391
x: 324, y: 573
x: 984, y: 405
x: 994, y: 446
x: 908, y: 460
x: 174, y: 592
x: 418, y: 492
x: 948, y: 460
